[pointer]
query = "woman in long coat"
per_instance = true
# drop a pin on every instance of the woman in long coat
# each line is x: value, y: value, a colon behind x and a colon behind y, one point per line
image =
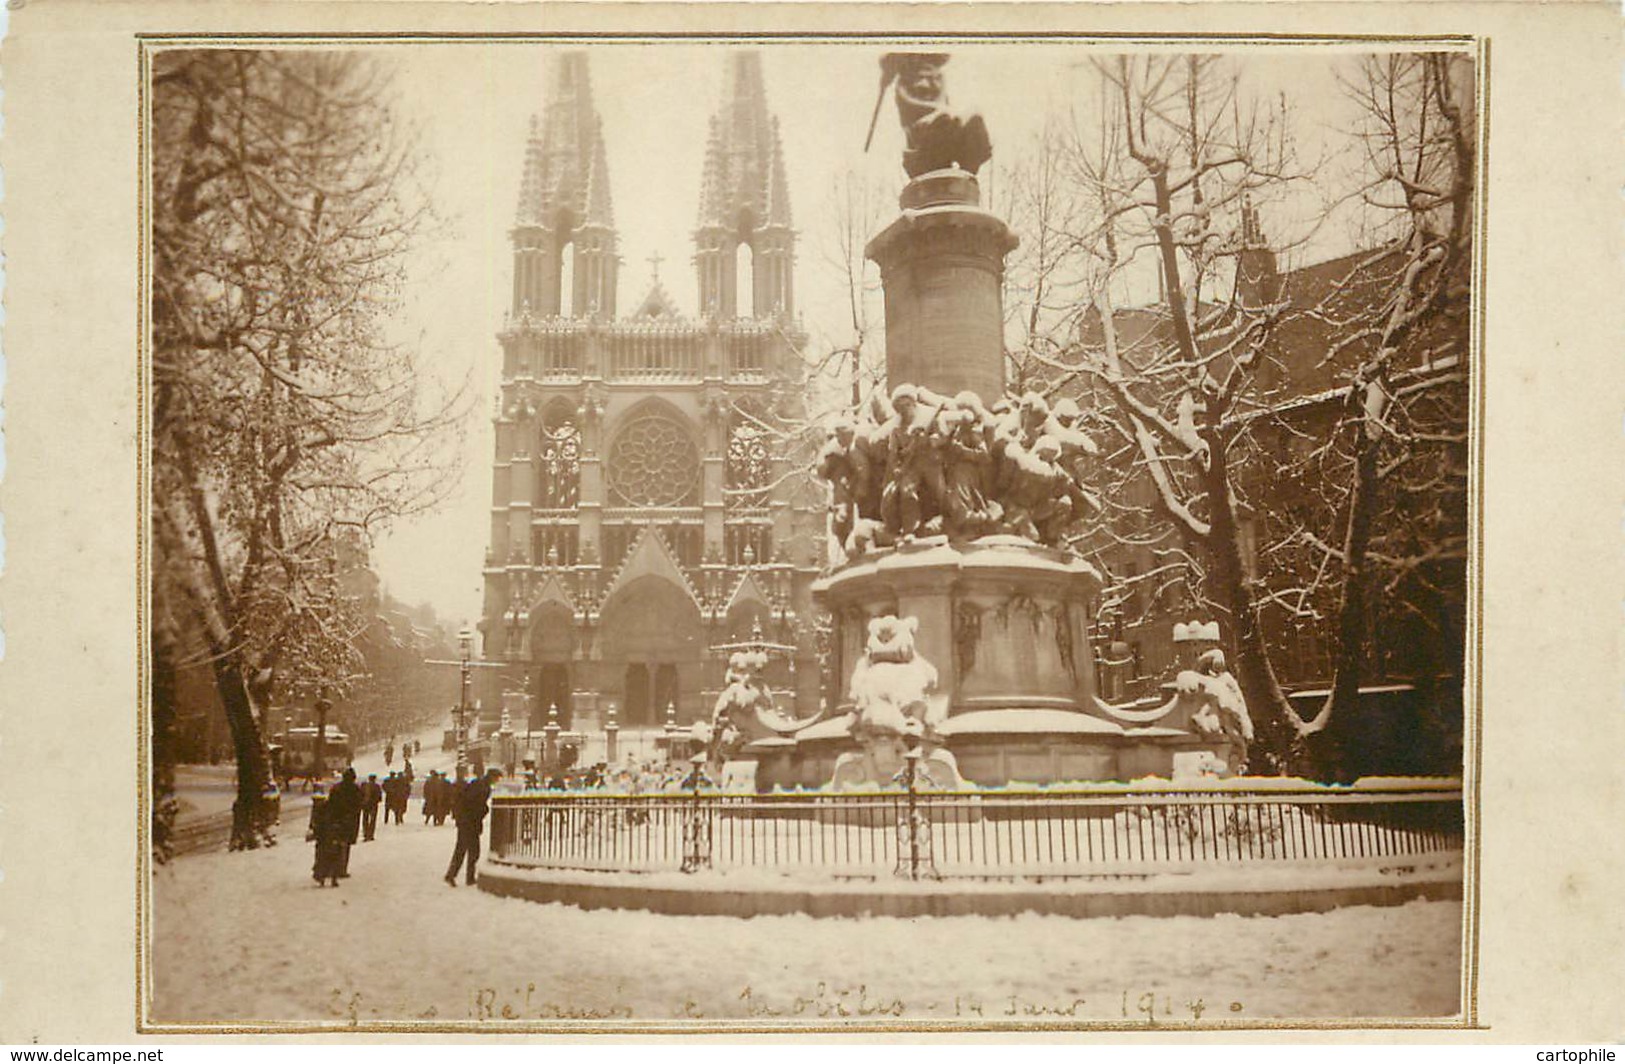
x: 329, y: 846
x: 344, y: 810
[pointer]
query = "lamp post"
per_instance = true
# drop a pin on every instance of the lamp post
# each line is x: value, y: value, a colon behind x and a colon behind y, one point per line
x: 465, y: 641
x: 550, y: 740
x: 696, y: 818
x: 319, y: 758
x: 467, y: 665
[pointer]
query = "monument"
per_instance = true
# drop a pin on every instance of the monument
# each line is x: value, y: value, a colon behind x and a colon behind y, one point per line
x: 959, y: 616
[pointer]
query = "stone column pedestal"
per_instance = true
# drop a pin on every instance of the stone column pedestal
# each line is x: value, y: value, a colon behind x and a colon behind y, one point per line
x: 1004, y: 622
x: 942, y: 265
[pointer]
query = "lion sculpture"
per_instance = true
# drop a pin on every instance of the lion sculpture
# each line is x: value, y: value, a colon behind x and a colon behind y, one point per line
x: 744, y: 712
x: 1223, y: 712
x: 895, y: 701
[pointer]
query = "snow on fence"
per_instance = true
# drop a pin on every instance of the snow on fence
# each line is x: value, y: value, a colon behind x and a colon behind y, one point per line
x: 1055, y: 833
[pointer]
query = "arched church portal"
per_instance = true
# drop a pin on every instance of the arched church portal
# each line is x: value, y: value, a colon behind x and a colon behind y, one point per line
x: 552, y: 640
x: 653, y: 646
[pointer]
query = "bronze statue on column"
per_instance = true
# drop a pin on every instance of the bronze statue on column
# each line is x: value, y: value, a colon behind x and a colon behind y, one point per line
x: 938, y: 137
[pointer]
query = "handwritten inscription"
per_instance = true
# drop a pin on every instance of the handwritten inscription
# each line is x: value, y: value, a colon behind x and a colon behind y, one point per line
x: 823, y: 1002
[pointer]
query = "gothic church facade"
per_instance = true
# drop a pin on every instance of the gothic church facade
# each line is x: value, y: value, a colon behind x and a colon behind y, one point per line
x: 646, y: 506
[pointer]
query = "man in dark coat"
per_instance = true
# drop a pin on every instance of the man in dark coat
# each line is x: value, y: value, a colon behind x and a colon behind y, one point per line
x: 431, y: 794
x: 469, y: 812
x: 444, y: 798
x: 403, y: 794
x: 371, y: 795
x: 344, y: 808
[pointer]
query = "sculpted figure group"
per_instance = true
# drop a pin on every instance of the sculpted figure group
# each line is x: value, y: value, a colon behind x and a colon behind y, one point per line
x: 924, y: 464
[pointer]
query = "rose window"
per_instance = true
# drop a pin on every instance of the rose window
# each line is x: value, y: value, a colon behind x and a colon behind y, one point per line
x: 653, y: 462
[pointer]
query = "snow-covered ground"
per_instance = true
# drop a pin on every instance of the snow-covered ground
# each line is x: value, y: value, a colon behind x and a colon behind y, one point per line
x: 250, y: 937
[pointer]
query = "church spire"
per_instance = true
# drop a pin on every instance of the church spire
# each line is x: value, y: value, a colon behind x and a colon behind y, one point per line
x: 598, y: 209
x: 778, y: 188
x: 738, y: 157
x: 559, y: 157
x: 744, y: 200
x: 564, y: 203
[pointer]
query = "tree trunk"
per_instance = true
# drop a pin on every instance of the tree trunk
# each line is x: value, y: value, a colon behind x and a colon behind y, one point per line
x: 1329, y: 731
x: 253, y: 814
x: 1277, y: 748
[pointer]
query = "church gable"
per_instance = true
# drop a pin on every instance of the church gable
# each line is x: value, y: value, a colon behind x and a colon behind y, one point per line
x: 749, y: 589
x: 657, y: 304
x: 552, y: 591
x: 650, y: 556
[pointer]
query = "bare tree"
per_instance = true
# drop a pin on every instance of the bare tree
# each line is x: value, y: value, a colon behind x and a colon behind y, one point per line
x: 1405, y: 337
x: 285, y: 428
x: 1171, y: 177
x: 1254, y: 495
x: 1043, y: 278
x: 854, y: 216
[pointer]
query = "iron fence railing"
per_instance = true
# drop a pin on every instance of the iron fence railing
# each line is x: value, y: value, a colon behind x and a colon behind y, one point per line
x: 1054, y: 833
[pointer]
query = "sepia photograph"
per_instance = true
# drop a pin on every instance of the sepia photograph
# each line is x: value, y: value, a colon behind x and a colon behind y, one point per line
x: 809, y: 533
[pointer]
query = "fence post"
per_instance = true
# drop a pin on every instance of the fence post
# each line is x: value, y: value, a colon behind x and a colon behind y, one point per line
x: 914, y: 826
x: 696, y: 820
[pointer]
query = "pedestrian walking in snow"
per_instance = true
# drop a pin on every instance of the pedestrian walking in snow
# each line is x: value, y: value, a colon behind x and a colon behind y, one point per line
x: 472, y: 805
x: 389, y: 753
x: 395, y: 792
x: 444, y: 798
x: 371, y: 796
x: 431, y: 794
x: 344, y: 807
x: 329, y: 847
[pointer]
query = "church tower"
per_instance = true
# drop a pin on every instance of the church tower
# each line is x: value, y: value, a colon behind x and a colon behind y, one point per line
x: 744, y: 204
x: 641, y: 511
x: 565, y: 230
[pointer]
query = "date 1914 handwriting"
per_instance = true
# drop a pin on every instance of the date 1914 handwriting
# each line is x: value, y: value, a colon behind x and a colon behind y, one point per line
x: 824, y: 1001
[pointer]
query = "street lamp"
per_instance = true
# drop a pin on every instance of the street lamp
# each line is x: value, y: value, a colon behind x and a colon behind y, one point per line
x: 319, y: 759
x: 465, y: 640
x: 466, y: 665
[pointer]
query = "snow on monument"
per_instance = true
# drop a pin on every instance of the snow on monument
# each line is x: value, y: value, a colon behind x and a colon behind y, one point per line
x: 952, y: 502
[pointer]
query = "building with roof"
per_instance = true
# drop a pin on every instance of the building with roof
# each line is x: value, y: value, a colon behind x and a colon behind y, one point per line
x: 643, y: 507
x: 1290, y: 467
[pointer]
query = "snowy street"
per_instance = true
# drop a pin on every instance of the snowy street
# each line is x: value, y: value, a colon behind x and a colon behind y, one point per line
x: 249, y: 937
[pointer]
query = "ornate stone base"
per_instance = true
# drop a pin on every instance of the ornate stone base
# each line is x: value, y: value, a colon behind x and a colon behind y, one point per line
x: 1005, y: 622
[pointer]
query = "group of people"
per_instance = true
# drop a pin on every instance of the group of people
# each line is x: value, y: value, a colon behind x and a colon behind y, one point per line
x: 392, y: 794
x: 924, y: 464
x: 335, y: 823
x: 439, y: 798
x: 408, y: 748
x: 631, y: 777
x: 397, y: 788
x: 348, y: 812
